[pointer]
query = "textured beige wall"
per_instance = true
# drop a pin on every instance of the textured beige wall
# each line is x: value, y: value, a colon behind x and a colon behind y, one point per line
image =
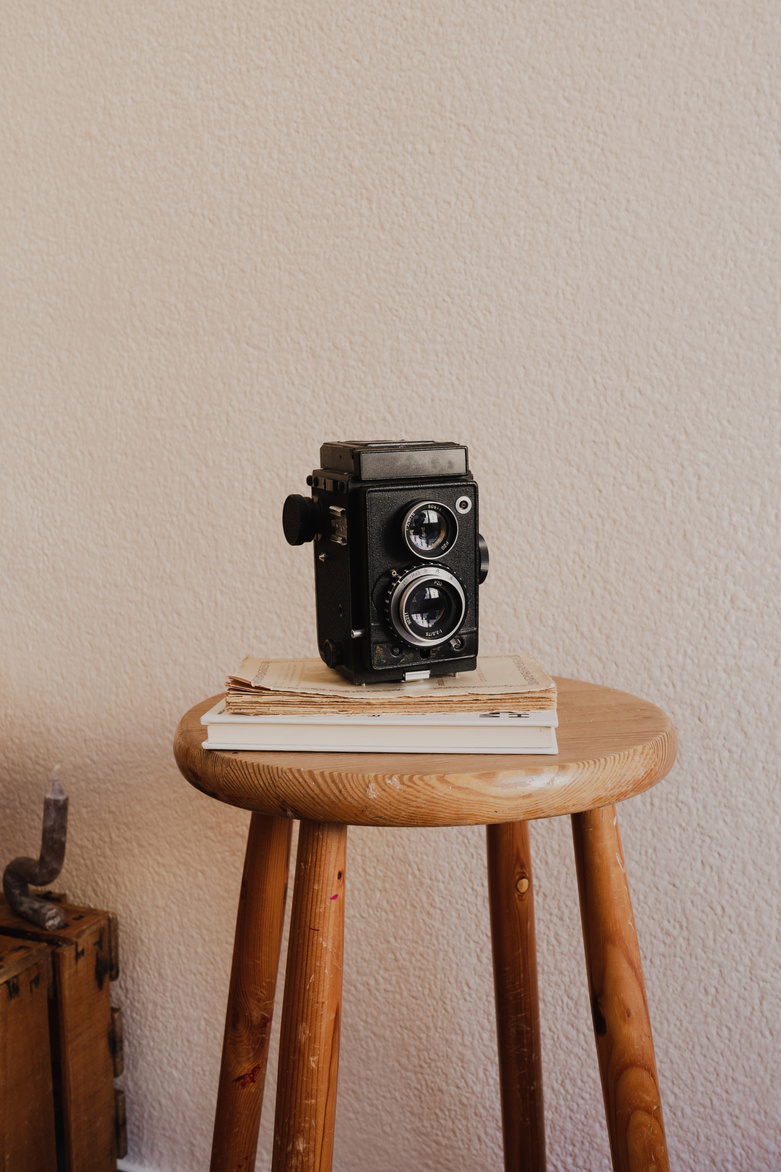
x: 232, y: 230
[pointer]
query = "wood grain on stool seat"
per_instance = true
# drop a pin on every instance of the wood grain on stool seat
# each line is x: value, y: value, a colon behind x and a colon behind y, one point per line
x: 611, y: 746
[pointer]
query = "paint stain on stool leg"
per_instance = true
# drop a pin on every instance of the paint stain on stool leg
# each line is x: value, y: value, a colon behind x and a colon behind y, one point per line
x: 248, y: 1079
x: 371, y: 790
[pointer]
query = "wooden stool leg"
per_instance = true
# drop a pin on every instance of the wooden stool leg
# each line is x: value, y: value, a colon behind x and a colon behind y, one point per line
x: 251, y: 997
x: 311, y: 1014
x: 619, y: 1009
x: 515, y: 984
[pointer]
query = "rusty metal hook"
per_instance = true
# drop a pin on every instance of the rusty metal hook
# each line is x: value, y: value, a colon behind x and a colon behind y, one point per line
x: 21, y: 872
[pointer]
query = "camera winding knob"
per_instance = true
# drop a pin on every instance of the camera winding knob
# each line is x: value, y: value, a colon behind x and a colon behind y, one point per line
x: 300, y: 519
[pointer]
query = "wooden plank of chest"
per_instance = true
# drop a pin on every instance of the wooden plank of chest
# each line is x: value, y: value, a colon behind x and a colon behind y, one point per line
x: 27, y: 1138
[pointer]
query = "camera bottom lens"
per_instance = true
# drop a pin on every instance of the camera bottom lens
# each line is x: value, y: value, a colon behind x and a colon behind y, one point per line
x: 427, y: 606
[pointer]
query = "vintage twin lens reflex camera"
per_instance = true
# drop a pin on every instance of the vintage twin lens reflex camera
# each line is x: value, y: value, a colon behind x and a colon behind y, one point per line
x: 398, y: 558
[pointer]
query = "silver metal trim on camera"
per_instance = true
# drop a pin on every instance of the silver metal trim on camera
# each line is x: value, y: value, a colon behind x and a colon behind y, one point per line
x: 401, y: 592
x: 464, y: 505
x: 440, y: 549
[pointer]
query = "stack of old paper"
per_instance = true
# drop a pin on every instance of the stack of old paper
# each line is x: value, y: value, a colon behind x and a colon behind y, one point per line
x: 300, y: 687
x: 508, y: 705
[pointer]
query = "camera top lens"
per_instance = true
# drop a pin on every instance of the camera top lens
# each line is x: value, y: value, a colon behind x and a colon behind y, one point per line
x: 430, y: 529
x: 427, y: 530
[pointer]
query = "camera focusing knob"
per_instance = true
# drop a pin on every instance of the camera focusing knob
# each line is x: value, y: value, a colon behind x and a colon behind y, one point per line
x: 482, y: 566
x: 300, y: 519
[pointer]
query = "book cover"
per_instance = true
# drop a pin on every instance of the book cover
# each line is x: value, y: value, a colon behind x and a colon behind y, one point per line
x: 493, y: 731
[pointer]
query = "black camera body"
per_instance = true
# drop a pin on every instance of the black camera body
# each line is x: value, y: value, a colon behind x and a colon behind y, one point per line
x: 398, y: 558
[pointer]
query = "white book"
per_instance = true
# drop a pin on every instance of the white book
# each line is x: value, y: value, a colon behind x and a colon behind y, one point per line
x: 467, y: 732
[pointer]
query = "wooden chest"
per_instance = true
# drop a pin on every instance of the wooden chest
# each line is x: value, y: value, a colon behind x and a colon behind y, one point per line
x: 73, y: 1048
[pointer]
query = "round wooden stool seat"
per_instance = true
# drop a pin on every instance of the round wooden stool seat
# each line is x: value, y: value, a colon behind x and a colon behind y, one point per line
x: 611, y: 746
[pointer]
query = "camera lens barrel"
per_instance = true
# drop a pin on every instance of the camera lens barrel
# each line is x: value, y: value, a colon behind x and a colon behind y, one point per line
x: 426, y: 606
x: 430, y: 529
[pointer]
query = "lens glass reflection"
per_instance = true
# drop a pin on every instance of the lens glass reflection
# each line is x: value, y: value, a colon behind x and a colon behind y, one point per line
x: 427, y: 606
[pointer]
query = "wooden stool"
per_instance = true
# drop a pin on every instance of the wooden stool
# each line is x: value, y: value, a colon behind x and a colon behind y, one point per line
x: 611, y: 746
